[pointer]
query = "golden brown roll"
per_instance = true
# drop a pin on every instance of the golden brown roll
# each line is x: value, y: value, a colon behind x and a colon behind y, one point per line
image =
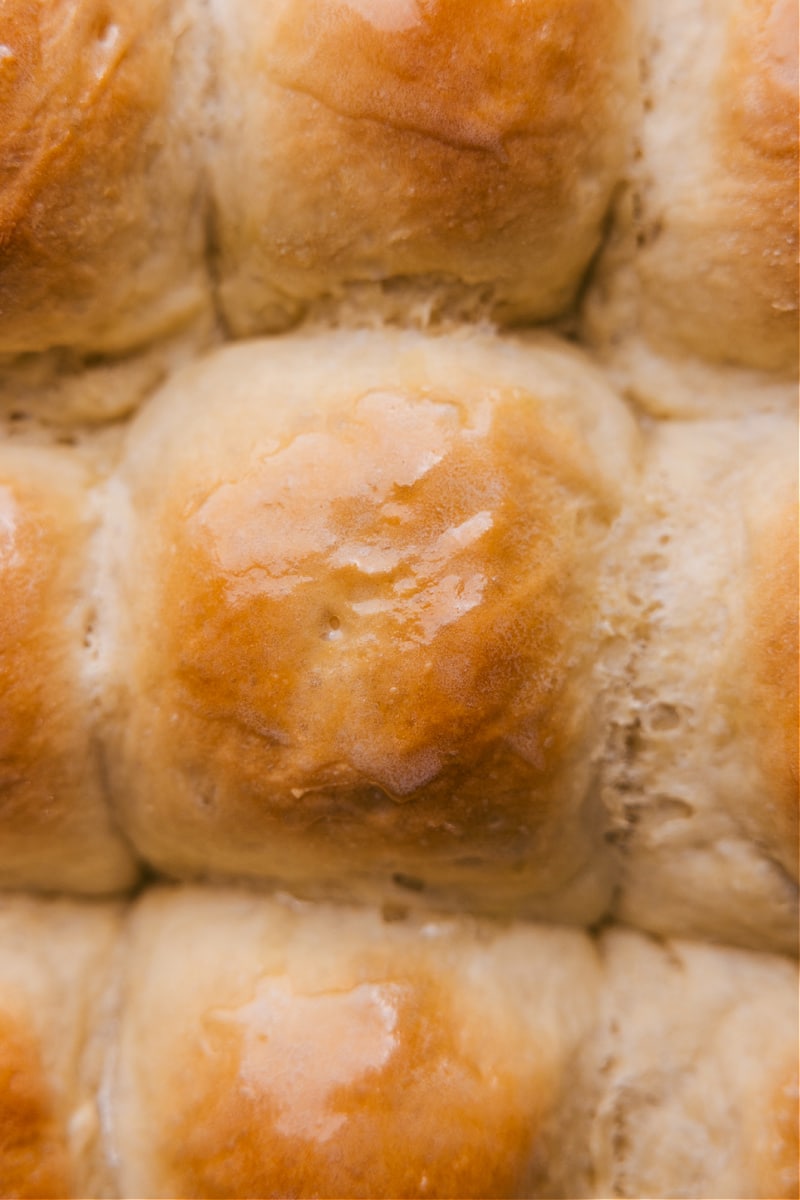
x: 702, y: 261
x: 55, y: 828
x: 272, y: 1049
x: 223, y: 1043
x: 55, y: 959
x: 282, y: 1048
x: 466, y: 149
x: 101, y: 220
x: 463, y: 627
x: 702, y: 781
x: 354, y: 619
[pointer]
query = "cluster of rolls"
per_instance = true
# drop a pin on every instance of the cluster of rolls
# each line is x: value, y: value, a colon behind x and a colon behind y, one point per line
x: 398, y: 598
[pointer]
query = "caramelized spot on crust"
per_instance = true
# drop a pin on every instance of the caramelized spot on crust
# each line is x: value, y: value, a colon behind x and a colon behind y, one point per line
x: 773, y: 701
x: 364, y: 1092
x: 34, y: 1161
x: 380, y: 625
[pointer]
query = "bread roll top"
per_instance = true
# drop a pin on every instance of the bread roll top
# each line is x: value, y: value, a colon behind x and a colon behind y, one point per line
x: 702, y: 794
x: 331, y: 1052
x: 474, y: 145
x: 356, y: 617
x: 101, y: 225
x: 221, y: 1042
x: 701, y: 263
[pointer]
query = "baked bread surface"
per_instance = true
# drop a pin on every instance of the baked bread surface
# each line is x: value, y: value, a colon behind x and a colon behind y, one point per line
x: 100, y: 227
x: 58, y: 832
x: 401, y: 710
x: 384, y: 605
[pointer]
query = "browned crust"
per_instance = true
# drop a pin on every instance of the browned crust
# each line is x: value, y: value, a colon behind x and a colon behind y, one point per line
x: 396, y: 1103
x: 371, y: 641
x: 56, y: 829
x: 482, y: 141
x: 773, y: 695
x: 34, y: 1158
x: 86, y: 107
x: 758, y: 126
x: 37, y: 711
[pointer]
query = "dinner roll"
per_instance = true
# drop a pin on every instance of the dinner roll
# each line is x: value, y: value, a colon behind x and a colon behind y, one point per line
x: 702, y: 261
x: 56, y: 831
x: 275, y: 1046
x: 353, y: 620
x: 101, y: 219
x: 688, y: 1085
x: 272, y: 1049
x: 55, y: 958
x: 702, y: 790
x: 470, y: 148
x: 400, y: 709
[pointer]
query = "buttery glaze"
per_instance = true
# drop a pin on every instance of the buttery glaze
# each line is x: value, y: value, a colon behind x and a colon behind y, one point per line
x: 372, y: 1089
x: 376, y: 639
x: 277, y: 1048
